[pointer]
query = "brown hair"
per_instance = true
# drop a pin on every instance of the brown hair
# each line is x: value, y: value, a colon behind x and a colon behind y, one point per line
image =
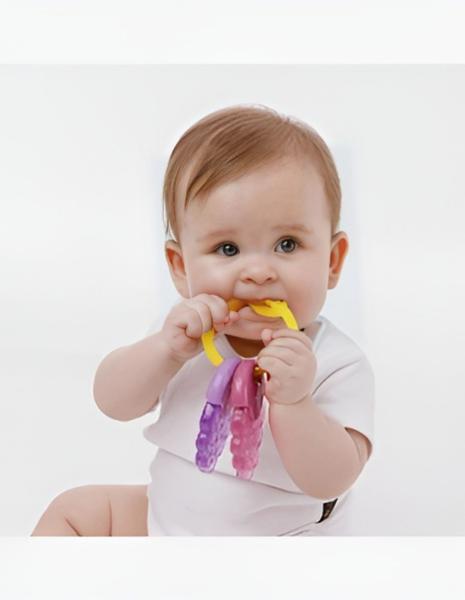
x: 230, y: 142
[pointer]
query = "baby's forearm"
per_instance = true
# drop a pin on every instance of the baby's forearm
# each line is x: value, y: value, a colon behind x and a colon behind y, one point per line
x: 317, y: 452
x: 130, y: 379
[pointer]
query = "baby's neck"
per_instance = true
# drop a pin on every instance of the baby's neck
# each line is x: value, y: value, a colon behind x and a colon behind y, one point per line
x: 244, y: 347
x: 251, y: 348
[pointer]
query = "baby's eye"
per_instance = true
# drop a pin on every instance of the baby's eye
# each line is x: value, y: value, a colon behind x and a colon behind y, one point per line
x: 227, y: 248
x: 286, y: 245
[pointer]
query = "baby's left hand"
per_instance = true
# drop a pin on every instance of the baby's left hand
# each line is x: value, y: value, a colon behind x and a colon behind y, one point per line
x: 289, y: 359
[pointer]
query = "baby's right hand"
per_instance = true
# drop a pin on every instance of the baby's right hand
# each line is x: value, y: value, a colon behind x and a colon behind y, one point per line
x: 189, y: 319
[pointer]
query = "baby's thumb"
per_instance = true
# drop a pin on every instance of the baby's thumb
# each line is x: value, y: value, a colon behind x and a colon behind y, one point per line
x: 266, y: 336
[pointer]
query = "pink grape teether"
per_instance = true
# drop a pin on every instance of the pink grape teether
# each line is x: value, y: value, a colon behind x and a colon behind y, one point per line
x: 246, y: 398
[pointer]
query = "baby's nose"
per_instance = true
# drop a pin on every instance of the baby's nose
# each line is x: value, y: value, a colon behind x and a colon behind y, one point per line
x: 259, y: 274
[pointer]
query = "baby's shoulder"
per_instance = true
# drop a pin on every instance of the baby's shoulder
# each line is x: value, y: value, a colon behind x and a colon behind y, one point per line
x: 335, y: 348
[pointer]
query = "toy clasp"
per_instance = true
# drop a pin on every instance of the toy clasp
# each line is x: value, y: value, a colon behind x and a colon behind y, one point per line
x: 267, y: 308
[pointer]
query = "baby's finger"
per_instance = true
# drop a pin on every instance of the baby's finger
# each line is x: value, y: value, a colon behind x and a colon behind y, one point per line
x: 199, y: 306
x: 266, y: 336
x: 222, y: 325
x: 276, y: 367
x: 284, y: 354
x: 196, y: 319
x: 288, y: 343
x: 217, y: 307
x: 300, y: 336
x: 200, y: 318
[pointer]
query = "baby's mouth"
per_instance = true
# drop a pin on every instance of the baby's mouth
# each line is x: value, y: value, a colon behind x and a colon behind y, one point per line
x: 238, y: 303
x: 249, y: 314
x: 245, y: 309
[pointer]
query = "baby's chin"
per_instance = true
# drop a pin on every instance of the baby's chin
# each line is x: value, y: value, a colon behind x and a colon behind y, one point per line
x: 248, y: 330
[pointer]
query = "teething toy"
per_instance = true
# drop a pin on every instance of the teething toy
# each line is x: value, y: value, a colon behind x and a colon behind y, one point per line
x: 235, y: 401
x: 269, y: 308
x: 215, y: 418
x: 247, y: 419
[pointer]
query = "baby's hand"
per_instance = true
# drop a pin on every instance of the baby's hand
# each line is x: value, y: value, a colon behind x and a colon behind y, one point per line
x: 189, y: 319
x: 289, y: 359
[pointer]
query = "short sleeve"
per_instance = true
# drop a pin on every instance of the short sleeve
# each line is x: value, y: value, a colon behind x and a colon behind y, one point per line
x: 347, y: 395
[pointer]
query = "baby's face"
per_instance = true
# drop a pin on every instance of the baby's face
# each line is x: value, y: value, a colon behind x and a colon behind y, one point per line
x: 264, y: 235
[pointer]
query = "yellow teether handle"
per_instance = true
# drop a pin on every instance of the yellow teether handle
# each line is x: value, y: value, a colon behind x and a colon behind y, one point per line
x: 210, y: 349
x: 276, y: 308
x: 207, y: 338
x: 270, y: 308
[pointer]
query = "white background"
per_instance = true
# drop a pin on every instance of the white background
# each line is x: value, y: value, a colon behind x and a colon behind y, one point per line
x: 82, y: 153
x: 246, y: 31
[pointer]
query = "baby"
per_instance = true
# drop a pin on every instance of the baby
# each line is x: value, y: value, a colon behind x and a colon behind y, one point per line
x: 252, y: 200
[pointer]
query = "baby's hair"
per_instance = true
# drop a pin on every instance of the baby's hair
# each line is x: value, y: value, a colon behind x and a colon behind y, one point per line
x: 233, y: 141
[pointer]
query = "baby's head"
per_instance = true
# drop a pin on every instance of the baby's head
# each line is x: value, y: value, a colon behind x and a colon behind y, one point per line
x: 252, y: 200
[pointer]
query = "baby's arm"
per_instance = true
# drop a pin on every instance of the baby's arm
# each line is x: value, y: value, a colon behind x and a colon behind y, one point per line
x: 322, y: 457
x: 128, y: 381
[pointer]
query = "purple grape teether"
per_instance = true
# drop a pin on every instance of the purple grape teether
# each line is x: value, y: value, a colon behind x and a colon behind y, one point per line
x: 216, y: 416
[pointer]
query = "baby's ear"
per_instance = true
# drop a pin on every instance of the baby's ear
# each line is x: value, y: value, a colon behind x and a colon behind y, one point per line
x: 174, y: 258
x: 339, y: 249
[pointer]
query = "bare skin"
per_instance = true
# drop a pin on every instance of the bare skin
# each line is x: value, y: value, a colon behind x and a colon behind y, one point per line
x: 96, y: 510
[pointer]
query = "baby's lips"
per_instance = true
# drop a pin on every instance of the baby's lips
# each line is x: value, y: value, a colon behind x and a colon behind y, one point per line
x: 235, y: 304
x: 249, y: 314
x: 250, y: 309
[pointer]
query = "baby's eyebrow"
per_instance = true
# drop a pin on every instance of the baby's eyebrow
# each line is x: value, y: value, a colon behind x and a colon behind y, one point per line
x: 226, y: 232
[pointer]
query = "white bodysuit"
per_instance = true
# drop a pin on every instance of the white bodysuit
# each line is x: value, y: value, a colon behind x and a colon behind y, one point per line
x: 186, y: 501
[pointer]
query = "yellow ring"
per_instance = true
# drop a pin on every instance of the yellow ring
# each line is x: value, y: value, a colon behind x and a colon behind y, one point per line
x: 269, y: 308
